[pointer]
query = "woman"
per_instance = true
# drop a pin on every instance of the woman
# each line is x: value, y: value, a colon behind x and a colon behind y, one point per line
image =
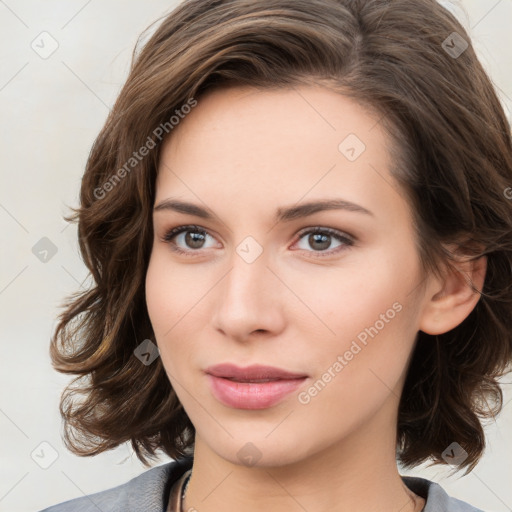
x: 298, y: 222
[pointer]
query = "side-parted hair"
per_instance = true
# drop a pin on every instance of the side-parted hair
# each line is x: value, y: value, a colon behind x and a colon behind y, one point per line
x: 452, y: 157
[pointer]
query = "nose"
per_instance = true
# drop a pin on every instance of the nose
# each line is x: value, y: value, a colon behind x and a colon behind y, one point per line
x: 249, y: 300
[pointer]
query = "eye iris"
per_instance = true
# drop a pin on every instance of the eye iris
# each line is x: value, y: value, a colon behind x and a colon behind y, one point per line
x: 194, y: 239
x: 321, y: 238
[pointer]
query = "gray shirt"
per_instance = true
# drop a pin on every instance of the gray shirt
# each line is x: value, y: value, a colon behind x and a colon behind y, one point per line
x: 149, y: 492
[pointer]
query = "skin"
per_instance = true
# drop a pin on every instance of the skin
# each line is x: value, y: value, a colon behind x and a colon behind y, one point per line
x: 242, y: 153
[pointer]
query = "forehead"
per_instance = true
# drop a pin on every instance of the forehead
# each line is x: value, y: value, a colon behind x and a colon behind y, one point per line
x: 254, y: 147
x: 266, y: 120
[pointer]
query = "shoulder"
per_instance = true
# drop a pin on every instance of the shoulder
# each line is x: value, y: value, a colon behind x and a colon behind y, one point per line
x: 149, y: 492
x: 437, y: 500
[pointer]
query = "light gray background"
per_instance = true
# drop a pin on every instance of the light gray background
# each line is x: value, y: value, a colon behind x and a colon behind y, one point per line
x: 51, y: 110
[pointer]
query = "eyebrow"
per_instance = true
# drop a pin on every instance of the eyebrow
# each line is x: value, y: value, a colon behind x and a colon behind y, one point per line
x: 282, y: 214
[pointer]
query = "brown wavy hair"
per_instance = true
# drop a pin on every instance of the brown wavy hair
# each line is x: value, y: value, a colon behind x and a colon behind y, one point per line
x: 452, y: 157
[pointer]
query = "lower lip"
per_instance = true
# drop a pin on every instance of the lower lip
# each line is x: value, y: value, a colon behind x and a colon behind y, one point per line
x: 252, y: 395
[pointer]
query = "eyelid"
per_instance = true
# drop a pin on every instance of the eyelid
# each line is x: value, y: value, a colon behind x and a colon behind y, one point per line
x: 324, y: 229
x: 171, y: 233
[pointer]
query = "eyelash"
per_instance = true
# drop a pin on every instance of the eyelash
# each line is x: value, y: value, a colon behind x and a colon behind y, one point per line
x: 347, y: 240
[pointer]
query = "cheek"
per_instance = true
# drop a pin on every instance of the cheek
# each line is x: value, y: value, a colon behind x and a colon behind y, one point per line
x: 171, y: 303
x: 156, y: 299
x: 369, y: 317
x: 360, y: 370
x: 342, y: 302
x: 166, y: 295
x: 374, y: 334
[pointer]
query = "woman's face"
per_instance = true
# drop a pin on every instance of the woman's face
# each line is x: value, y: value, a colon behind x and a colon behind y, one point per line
x: 256, y: 286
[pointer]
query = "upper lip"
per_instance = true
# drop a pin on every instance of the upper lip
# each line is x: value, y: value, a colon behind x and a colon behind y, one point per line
x: 256, y: 371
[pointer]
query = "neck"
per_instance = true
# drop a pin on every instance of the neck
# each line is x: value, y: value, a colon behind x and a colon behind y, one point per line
x: 355, y: 475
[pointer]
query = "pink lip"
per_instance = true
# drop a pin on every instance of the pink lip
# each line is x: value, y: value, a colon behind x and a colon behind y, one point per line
x: 246, y: 395
x: 255, y: 371
x: 251, y: 395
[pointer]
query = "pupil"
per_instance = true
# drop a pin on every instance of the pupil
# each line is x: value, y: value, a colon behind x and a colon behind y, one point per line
x: 194, y: 239
x: 320, y: 238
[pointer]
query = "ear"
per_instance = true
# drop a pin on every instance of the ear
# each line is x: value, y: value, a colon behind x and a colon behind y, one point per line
x: 451, y: 298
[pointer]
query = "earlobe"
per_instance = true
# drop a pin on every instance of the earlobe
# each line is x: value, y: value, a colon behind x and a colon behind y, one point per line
x: 454, y: 297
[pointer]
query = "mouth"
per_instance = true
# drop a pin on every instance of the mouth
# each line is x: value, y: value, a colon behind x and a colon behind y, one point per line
x: 255, y: 373
x: 252, y: 393
x: 253, y: 387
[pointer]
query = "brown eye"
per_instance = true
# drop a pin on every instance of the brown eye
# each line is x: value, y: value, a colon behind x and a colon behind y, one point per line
x: 321, y: 239
x: 186, y: 239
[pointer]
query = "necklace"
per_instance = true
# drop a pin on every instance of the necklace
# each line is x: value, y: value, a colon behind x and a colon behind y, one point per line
x: 177, y: 494
x: 185, y: 485
x: 179, y: 489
